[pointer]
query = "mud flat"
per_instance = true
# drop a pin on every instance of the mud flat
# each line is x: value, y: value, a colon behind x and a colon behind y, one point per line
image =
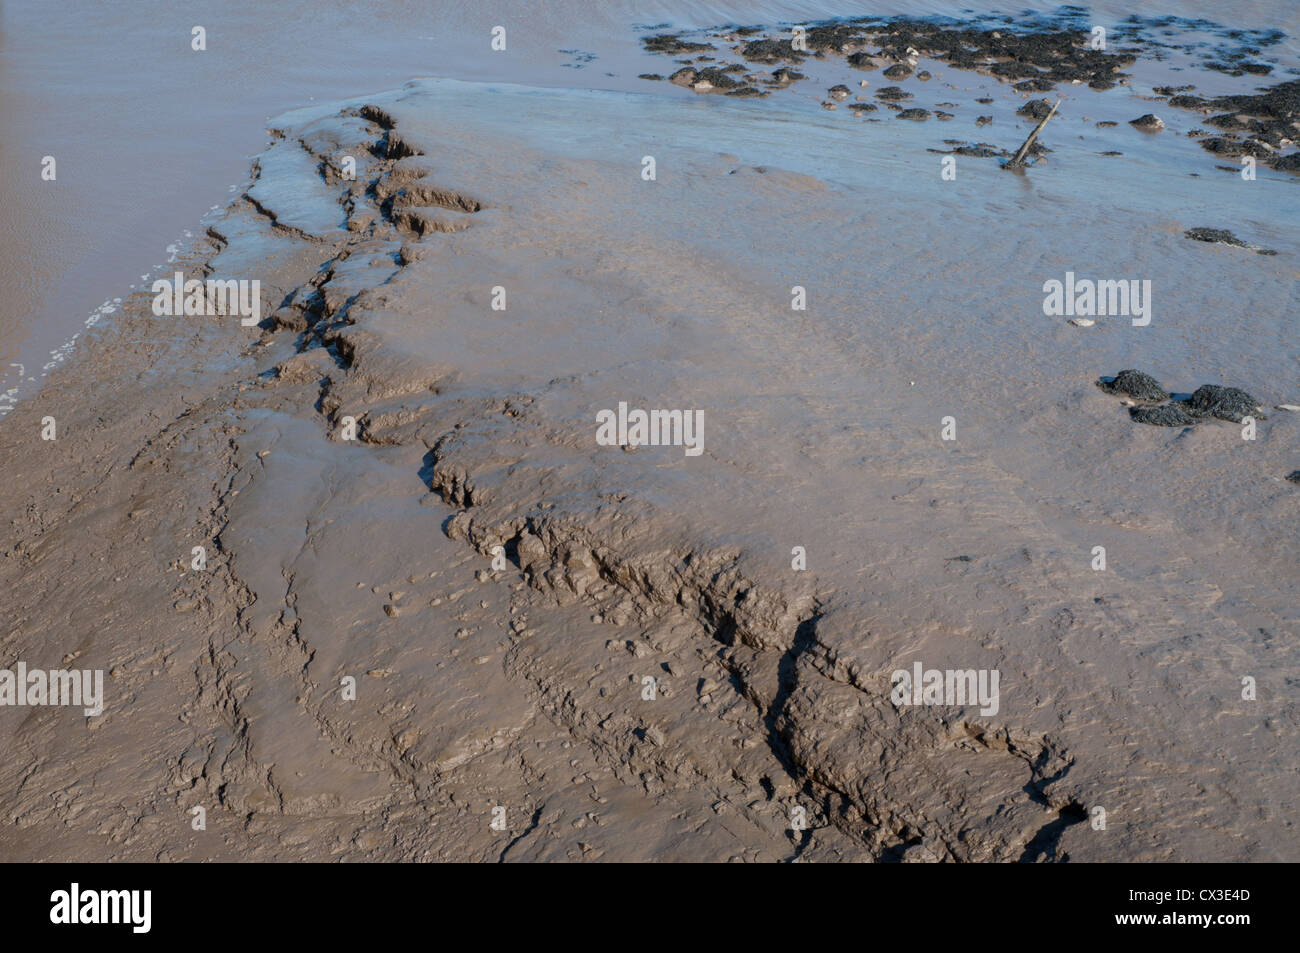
x: 501, y: 586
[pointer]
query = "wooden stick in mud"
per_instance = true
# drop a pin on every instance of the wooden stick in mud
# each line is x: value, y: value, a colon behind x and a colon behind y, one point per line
x: 1020, y: 156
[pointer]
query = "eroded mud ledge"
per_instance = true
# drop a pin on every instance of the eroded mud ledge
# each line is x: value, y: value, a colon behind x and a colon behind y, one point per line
x: 522, y: 687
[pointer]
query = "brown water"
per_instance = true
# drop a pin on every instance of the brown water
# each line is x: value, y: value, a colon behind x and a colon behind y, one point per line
x: 150, y: 135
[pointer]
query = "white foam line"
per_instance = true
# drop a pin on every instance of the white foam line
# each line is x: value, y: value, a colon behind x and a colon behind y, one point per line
x: 9, y: 397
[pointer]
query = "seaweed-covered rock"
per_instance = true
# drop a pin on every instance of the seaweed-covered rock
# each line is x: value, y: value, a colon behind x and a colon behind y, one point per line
x: 1221, y: 236
x: 719, y: 78
x: 771, y: 51
x: 1166, y: 415
x: 1035, y: 109
x: 1215, y: 236
x: 980, y: 150
x: 1036, y: 85
x: 898, y: 71
x: 1221, y: 146
x: 1226, y: 403
x: 892, y: 93
x: 1148, y: 123
x: 684, y: 77
x: 672, y: 44
x: 1294, y: 476
x: 1137, y: 385
x: 706, y: 79
x: 1290, y: 163
x: 917, y: 115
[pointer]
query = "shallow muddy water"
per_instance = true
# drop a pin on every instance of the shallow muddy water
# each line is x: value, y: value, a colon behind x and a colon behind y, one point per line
x: 149, y: 135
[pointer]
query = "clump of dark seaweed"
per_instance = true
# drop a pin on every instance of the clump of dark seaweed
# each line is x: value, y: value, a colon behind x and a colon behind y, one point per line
x: 771, y: 52
x: 1135, y: 384
x: 672, y: 44
x: 980, y: 150
x: 892, y: 93
x: 1226, y: 403
x: 1222, y: 236
x: 1166, y: 415
x: 1035, y: 109
x: 1215, y: 236
x: 1209, y: 400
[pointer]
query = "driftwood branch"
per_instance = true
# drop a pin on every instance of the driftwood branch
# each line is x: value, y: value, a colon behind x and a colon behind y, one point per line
x: 1019, y: 160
